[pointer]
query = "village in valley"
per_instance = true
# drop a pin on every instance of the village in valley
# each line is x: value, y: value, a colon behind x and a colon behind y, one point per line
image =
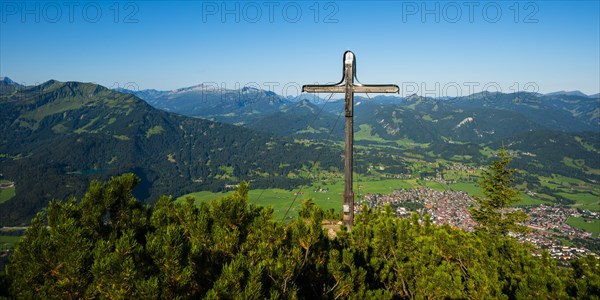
x: 446, y: 190
x: 548, y: 223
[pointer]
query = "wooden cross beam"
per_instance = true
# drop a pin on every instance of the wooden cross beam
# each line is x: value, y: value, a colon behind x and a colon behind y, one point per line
x: 347, y: 86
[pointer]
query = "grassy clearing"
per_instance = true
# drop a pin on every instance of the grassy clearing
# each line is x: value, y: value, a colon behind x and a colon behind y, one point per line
x: 569, y: 185
x: 531, y: 201
x: 581, y: 198
x: 86, y: 126
x: 587, y: 146
x: 547, y: 182
x: 567, y: 181
x: 573, y: 163
x: 584, y: 200
x: 586, y: 195
x: 156, y: 130
x: 432, y: 185
x: 365, y: 134
x: 471, y: 188
x: 280, y: 200
x: 330, y: 195
x: 326, y: 196
x: 309, y: 130
x: 579, y: 164
x: 6, y: 194
x: 589, y: 225
x: 8, y: 241
x: 56, y: 107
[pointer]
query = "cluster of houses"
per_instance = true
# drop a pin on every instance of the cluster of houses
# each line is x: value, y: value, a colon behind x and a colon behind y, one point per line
x: 549, y: 223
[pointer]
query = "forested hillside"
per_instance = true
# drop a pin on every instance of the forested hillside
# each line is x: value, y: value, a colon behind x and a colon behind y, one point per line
x: 58, y: 136
x: 460, y: 129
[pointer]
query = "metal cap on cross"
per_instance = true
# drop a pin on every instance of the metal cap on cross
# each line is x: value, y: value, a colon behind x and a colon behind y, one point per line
x: 348, y: 87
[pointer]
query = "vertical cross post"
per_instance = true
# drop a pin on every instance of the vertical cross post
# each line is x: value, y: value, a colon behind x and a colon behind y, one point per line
x: 348, y: 87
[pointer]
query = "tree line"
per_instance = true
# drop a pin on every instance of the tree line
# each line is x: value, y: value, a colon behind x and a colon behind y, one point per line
x: 108, y: 245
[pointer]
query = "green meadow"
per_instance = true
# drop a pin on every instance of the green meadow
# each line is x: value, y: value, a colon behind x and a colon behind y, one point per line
x: 330, y: 196
x: 584, y: 200
x: 6, y: 194
x: 8, y: 241
x: 589, y: 225
x: 326, y: 196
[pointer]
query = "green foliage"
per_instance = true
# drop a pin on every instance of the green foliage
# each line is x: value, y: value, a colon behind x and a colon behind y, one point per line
x: 584, y: 282
x: 71, y: 246
x: 492, y: 211
x: 90, y: 132
x: 109, y: 246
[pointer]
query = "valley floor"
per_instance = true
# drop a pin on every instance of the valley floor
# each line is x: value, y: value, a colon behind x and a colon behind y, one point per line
x: 565, y: 231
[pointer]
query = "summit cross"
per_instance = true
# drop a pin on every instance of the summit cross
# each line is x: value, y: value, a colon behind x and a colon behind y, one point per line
x: 347, y: 86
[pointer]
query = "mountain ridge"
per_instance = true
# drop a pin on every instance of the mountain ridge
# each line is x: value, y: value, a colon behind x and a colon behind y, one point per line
x: 563, y: 111
x: 58, y: 136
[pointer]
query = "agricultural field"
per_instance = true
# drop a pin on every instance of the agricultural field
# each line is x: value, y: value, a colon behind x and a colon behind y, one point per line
x: 326, y: 196
x: 329, y: 196
x: 584, y: 200
x: 585, y: 195
x: 471, y: 188
x: 589, y: 225
x: 531, y: 201
x: 327, y: 185
x: 280, y: 200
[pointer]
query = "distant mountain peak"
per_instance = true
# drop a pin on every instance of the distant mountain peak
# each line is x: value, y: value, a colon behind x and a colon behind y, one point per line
x: 570, y: 93
x: 50, y: 82
x: 413, y: 97
x: 313, y: 98
x: 418, y: 98
x: 305, y: 104
x: 249, y: 89
x: 197, y: 88
x: 5, y: 79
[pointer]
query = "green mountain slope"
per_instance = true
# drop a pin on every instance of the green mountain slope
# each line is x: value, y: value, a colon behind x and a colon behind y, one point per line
x: 454, y: 129
x: 561, y: 112
x: 58, y: 136
x: 426, y: 121
x: 545, y: 152
x: 301, y: 119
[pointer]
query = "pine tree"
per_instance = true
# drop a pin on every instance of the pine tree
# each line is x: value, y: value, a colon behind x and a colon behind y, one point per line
x: 109, y: 246
x: 494, y: 213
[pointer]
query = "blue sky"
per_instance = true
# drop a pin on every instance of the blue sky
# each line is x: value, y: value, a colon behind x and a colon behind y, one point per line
x: 434, y: 48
